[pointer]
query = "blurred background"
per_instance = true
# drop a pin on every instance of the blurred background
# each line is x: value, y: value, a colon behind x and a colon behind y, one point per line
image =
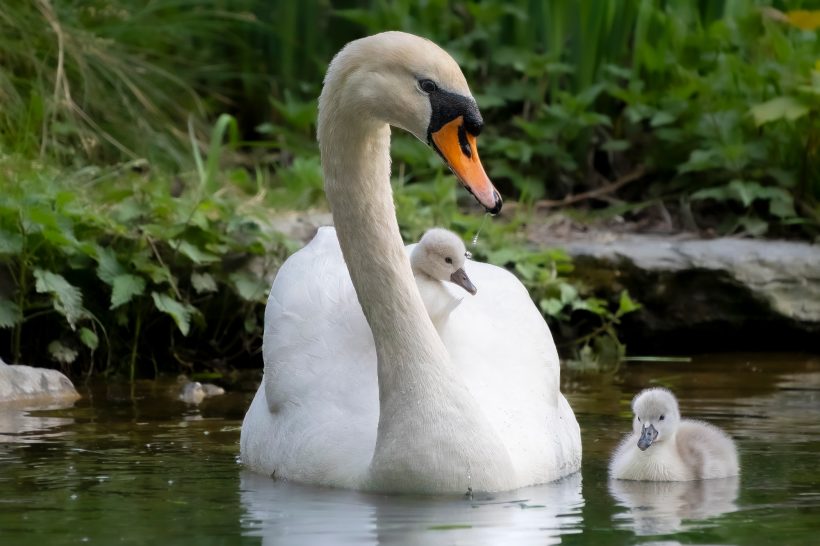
x: 150, y: 152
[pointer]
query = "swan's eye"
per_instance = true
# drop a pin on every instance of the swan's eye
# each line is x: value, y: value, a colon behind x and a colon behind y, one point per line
x: 448, y: 260
x: 428, y: 86
x: 661, y: 418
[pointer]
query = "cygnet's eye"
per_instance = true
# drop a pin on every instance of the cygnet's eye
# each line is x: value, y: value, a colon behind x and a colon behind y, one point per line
x: 639, y: 419
x: 428, y: 86
x: 448, y: 259
x: 661, y: 418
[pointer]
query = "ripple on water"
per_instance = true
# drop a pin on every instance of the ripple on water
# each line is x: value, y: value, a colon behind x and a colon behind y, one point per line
x: 135, y: 470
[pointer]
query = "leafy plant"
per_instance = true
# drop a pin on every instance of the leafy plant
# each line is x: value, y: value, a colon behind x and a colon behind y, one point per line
x: 92, y: 261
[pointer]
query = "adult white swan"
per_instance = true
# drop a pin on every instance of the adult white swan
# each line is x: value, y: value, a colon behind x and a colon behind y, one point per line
x: 386, y: 403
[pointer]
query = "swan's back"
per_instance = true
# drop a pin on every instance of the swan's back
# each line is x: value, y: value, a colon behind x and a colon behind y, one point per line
x: 706, y: 450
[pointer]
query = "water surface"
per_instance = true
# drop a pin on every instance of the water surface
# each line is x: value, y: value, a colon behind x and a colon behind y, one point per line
x: 134, y: 466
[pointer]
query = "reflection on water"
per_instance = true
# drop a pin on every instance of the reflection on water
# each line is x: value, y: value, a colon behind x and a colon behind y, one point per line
x: 660, y: 508
x: 21, y: 424
x: 283, y: 513
x: 134, y: 465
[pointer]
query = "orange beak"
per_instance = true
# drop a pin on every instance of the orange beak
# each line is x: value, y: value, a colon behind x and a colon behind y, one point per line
x: 459, y: 151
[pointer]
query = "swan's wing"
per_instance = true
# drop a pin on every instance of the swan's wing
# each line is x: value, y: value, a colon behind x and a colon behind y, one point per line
x: 317, y: 343
x: 707, y: 450
x: 320, y: 410
x: 503, y: 348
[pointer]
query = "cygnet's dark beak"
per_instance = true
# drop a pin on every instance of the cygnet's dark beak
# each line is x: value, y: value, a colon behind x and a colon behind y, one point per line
x: 648, y: 435
x: 460, y: 278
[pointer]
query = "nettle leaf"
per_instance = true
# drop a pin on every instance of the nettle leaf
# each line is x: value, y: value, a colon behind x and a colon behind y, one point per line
x: 195, y: 254
x: 66, y: 298
x: 10, y: 243
x: 788, y: 108
x: 180, y: 312
x: 10, y: 313
x: 124, y: 288
x: 108, y: 266
x: 61, y: 353
x: 203, y: 282
x: 248, y: 286
x: 89, y: 339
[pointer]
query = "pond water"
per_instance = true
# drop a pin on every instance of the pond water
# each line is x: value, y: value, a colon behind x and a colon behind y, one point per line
x: 134, y: 465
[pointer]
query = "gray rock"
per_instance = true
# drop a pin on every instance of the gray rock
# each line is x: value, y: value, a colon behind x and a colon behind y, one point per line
x: 29, y: 386
x: 765, y: 288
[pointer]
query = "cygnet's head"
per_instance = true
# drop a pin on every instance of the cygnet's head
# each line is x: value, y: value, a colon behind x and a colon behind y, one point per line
x: 411, y: 83
x: 440, y: 255
x: 656, y: 416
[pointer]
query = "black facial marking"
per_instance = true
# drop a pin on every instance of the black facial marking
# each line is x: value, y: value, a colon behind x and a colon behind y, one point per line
x: 462, y: 142
x: 448, y: 106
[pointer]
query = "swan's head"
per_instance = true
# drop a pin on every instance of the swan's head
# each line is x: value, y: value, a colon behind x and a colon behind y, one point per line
x: 411, y: 83
x: 440, y: 255
x: 656, y: 416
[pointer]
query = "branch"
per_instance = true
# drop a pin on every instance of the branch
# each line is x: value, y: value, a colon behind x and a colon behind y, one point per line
x: 597, y: 192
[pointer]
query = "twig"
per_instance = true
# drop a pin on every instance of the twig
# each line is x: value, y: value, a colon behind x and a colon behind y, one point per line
x: 597, y: 192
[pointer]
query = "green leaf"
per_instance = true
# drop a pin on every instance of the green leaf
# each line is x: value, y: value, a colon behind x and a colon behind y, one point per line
x: 62, y: 353
x: 197, y: 255
x: 10, y: 313
x: 248, y: 286
x: 626, y: 304
x: 89, y: 339
x: 10, y: 243
x: 108, y: 267
x: 180, y: 312
x: 616, y: 145
x: 568, y: 293
x: 789, y: 108
x: 124, y: 288
x: 67, y: 299
x: 783, y: 206
x: 203, y: 282
x: 551, y: 306
x: 661, y: 118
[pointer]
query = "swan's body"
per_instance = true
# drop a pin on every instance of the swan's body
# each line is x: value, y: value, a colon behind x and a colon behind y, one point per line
x: 360, y: 391
x: 439, y: 258
x: 664, y: 447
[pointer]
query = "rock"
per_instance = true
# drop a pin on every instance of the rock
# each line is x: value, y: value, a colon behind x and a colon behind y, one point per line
x: 25, y: 385
x: 706, y: 294
x: 300, y: 225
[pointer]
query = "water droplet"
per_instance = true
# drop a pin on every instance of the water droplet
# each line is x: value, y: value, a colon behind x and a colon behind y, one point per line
x: 484, y: 221
x: 73, y: 496
x: 170, y: 482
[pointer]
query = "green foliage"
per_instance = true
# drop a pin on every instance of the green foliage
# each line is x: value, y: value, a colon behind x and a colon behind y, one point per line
x: 709, y: 109
x: 102, y: 255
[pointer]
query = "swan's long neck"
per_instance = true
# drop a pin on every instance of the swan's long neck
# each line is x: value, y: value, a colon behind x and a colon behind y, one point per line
x: 432, y: 434
x: 356, y: 163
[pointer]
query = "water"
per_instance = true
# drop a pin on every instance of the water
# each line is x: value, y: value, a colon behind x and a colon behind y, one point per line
x: 123, y: 467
